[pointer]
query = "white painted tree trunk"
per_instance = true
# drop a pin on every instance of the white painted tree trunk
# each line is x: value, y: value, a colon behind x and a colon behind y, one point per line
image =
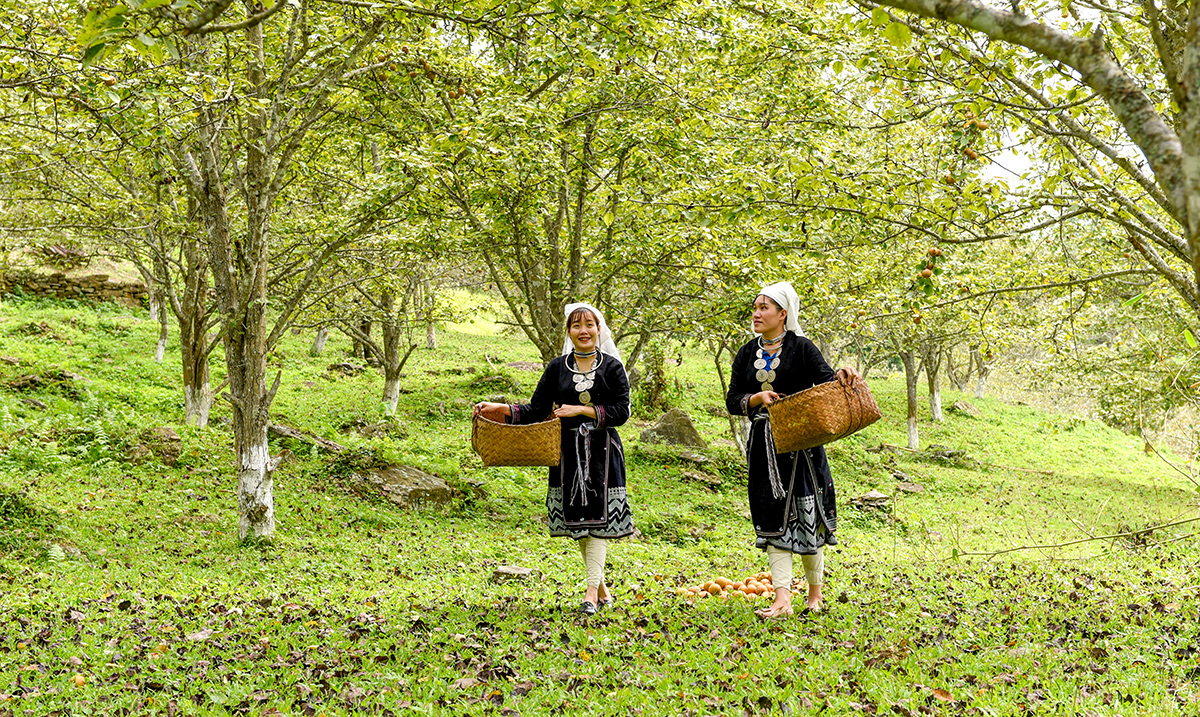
x: 933, y: 376
x: 391, y: 394
x: 256, y: 490
x: 164, y: 326
x: 983, y: 367
x: 430, y: 336
x: 318, y: 344
x: 911, y: 371
x: 197, y: 402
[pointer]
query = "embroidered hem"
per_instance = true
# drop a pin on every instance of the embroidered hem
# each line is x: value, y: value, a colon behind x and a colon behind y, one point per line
x: 618, y: 525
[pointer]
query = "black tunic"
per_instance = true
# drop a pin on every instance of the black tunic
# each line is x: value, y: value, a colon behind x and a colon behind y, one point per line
x: 587, y: 494
x: 802, y: 518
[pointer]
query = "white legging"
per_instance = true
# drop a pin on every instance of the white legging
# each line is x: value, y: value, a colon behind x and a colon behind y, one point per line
x: 594, y: 552
x: 780, y: 561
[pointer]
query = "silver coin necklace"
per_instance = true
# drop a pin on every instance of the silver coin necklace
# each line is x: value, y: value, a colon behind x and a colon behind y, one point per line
x: 766, y: 362
x: 584, y: 380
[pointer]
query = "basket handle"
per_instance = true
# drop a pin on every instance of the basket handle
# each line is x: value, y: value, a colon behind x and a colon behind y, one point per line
x: 850, y: 385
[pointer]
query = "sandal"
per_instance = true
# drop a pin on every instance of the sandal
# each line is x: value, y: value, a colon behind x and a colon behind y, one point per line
x: 588, y: 608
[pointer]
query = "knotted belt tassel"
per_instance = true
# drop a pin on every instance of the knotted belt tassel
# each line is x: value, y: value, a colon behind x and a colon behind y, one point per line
x: 582, y: 470
x: 777, y: 490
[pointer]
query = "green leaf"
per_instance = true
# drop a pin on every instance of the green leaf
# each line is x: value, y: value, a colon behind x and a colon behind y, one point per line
x: 898, y: 34
x: 1134, y: 300
x: 1189, y: 337
x: 90, y: 54
x: 880, y: 17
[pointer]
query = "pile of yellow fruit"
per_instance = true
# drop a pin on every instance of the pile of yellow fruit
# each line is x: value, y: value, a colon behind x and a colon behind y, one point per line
x: 757, y: 585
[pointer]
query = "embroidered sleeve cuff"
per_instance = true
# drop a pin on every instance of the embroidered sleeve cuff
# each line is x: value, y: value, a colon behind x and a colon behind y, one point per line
x: 516, y: 413
x: 599, y: 416
x: 746, y: 404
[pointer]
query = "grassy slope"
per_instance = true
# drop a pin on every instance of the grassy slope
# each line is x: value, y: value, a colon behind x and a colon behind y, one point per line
x: 359, y: 607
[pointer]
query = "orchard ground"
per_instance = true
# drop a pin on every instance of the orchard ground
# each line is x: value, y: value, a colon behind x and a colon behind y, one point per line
x: 125, y: 591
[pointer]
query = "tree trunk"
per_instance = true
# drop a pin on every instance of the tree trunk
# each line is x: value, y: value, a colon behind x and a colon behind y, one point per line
x: 197, y: 386
x: 318, y: 344
x: 957, y: 378
x: 362, y: 347
x: 164, y: 326
x: 393, y: 367
x: 157, y: 312
x: 240, y: 265
x: 391, y: 355
x: 428, y: 308
x: 933, y: 365
x: 983, y: 367
x: 192, y: 313
x: 733, y: 426
x: 911, y: 374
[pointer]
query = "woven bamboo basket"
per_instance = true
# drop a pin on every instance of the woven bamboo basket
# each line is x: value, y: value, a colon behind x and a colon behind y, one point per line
x: 505, y: 444
x: 822, y: 414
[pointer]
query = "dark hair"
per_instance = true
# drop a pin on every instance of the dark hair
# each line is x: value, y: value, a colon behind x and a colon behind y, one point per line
x: 777, y: 306
x: 577, y: 314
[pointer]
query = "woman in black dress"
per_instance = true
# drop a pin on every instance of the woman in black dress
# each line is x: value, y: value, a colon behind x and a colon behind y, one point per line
x: 792, y: 498
x: 586, y: 500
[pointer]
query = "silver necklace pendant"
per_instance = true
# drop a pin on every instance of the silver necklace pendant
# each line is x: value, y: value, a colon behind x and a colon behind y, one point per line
x: 578, y: 378
x: 760, y: 363
x: 761, y: 375
x: 586, y: 398
x: 770, y: 376
x: 775, y: 362
x: 768, y: 387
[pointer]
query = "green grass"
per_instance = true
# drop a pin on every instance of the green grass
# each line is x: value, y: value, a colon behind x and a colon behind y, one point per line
x: 129, y: 573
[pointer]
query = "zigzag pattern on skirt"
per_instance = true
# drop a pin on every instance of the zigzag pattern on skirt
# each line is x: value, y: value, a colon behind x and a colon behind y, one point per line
x: 620, y: 518
x: 804, y: 534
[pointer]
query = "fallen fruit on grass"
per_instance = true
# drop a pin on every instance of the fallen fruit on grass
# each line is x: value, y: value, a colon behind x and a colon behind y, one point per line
x: 79, y: 680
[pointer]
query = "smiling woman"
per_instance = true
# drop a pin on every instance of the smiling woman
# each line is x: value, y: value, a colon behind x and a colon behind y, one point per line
x: 586, y: 499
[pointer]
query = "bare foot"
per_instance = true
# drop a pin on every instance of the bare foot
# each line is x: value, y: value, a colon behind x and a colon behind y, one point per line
x: 604, y: 593
x: 782, y: 607
x: 590, y: 595
x: 814, y: 598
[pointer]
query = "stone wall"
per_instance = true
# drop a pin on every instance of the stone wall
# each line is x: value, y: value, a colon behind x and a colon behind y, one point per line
x: 93, y: 287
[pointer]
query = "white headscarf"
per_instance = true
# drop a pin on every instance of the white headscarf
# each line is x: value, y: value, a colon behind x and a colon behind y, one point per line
x: 783, y: 294
x: 604, y: 341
